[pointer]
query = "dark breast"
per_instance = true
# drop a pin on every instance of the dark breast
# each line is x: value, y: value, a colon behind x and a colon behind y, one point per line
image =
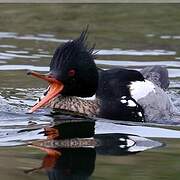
x: 114, y: 95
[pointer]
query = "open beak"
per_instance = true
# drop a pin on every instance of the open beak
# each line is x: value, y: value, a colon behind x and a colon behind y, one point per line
x: 55, y: 88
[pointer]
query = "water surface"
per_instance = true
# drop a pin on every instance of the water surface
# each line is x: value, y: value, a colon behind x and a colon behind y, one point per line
x: 130, y: 36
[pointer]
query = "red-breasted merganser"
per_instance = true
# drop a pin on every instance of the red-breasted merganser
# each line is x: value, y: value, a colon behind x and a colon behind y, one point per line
x: 119, y: 93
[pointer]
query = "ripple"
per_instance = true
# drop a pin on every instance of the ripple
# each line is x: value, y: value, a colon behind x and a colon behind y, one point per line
x: 32, y: 37
x: 174, y: 73
x: 4, y: 57
x: 42, y: 55
x: 170, y: 37
x: 46, y: 35
x: 41, y: 37
x: 150, y: 35
x: 135, y: 52
x: 18, y: 52
x: 107, y: 127
x: 10, y: 56
x: 138, y: 63
x: 165, y: 37
x: 7, y: 46
x: 14, y: 137
x: 23, y: 67
x: 7, y: 34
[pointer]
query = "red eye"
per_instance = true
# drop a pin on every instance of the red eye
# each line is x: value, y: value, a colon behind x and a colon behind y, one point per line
x: 71, y: 72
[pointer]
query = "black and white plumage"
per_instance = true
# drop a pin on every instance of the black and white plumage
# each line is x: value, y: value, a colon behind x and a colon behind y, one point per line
x: 115, y: 96
x: 136, y: 97
x: 120, y: 94
x: 155, y: 102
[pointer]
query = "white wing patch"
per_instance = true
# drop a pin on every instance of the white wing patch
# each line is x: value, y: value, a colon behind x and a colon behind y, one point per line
x: 140, y: 89
x: 128, y: 102
x: 140, y: 114
x: 123, y: 101
x: 131, y: 103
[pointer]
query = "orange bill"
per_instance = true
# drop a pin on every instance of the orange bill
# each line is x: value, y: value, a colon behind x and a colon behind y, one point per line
x: 55, y: 88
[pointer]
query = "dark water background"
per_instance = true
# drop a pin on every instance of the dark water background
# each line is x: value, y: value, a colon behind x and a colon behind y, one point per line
x: 126, y: 35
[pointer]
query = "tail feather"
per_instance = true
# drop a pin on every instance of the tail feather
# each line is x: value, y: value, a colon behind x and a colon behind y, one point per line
x: 157, y: 74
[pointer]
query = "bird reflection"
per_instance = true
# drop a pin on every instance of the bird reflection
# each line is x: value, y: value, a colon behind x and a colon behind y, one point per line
x: 71, y: 147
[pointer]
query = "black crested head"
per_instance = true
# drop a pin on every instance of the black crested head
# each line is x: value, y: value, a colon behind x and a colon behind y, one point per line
x: 73, y: 64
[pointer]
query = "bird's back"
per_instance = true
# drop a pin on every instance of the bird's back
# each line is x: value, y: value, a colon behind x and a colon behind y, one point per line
x: 126, y: 95
x: 114, y: 95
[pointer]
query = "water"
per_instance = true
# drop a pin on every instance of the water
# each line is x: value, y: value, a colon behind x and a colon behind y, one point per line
x: 118, y: 149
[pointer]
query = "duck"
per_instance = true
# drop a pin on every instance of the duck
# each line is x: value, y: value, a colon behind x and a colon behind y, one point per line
x: 118, y: 93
